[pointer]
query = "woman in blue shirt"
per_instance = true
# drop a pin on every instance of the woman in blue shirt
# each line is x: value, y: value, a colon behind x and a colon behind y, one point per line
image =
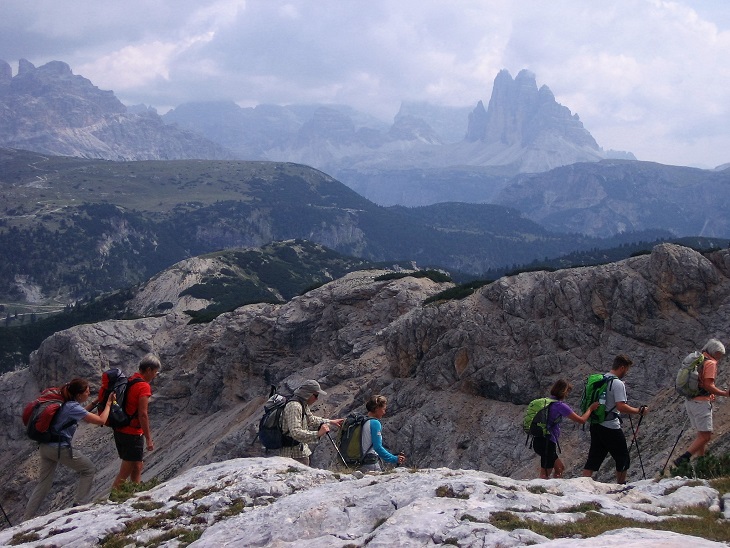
x: 372, y: 437
x: 64, y: 423
x: 547, y: 447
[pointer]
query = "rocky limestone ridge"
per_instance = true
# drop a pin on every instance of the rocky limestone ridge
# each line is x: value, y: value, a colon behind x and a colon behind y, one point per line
x: 457, y: 374
x: 264, y: 502
x: 50, y: 110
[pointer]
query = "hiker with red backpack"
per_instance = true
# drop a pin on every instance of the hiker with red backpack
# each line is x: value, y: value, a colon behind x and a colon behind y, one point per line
x: 63, y: 407
x: 546, y: 446
x: 130, y: 439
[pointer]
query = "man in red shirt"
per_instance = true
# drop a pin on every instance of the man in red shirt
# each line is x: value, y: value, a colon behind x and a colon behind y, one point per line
x: 130, y: 440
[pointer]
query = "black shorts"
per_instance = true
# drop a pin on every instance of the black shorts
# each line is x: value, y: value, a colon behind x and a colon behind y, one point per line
x: 130, y: 447
x: 547, y: 450
x: 604, y: 441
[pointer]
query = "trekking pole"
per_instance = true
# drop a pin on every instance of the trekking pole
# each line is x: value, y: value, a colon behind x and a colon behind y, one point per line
x: 338, y: 450
x: 661, y: 472
x: 6, y: 516
x: 637, y: 442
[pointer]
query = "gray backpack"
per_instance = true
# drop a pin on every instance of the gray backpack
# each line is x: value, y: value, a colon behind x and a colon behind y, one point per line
x: 688, y: 376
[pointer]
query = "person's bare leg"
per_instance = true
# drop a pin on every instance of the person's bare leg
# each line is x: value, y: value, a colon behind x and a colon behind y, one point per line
x: 699, y: 446
x: 559, y: 469
x: 125, y: 471
x: 136, y: 475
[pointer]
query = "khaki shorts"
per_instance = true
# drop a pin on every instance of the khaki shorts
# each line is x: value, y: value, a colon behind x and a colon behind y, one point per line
x: 700, y: 414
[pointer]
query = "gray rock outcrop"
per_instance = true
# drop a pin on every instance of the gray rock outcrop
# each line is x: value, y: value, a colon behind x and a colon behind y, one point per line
x: 266, y: 502
x: 457, y: 373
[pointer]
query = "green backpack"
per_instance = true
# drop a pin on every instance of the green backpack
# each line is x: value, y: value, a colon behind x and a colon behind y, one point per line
x: 535, y: 421
x: 595, y: 391
x: 349, y: 440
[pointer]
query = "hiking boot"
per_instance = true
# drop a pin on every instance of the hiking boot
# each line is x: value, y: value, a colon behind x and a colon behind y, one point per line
x: 680, y: 460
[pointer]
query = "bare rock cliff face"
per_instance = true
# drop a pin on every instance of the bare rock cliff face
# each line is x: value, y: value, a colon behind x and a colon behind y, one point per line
x: 50, y: 110
x: 457, y: 374
x: 526, y: 125
x: 167, y: 286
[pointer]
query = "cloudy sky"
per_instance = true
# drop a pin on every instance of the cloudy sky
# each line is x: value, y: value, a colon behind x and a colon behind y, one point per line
x: 648, y: 76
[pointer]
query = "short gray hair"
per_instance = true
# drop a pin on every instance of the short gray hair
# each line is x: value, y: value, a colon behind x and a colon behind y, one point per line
x: 713, y: 346
x: 149, y: 361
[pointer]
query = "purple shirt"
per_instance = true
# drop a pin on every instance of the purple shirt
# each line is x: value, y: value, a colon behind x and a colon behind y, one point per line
x: 558, y: 410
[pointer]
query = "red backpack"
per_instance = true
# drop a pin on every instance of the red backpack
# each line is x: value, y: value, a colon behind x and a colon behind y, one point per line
x: 39, y: 415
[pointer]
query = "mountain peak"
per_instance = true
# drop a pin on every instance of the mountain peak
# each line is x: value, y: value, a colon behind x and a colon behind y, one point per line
x: 528, y: 125
x: 6, y: 72
x: 25, y: 66
x: 53, y: 111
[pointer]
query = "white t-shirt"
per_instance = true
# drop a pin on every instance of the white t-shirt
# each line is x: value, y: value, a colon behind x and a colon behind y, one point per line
x: 616, y: 392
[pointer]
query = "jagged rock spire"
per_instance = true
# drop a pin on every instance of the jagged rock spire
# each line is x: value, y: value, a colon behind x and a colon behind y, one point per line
x: 519, y: 114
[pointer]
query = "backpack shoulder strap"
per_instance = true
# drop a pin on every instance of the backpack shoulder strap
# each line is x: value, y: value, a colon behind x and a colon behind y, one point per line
x: 131, y: 383
x: 66, y: 424
x: 701, y: 375
x: 283, y: 409
x: 609, y: 385
x: 295, y: 400
x: 550, y: 402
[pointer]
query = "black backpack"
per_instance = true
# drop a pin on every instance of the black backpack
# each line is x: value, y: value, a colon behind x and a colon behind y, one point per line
x: 270, y: 432
x: 114, y: 380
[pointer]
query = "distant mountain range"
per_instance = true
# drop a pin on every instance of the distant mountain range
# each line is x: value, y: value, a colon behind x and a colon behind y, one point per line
x: 524, y: 151
x: 523, y: 129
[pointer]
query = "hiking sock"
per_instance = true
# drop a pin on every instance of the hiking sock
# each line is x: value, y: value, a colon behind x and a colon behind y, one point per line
x: 683, y: 458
